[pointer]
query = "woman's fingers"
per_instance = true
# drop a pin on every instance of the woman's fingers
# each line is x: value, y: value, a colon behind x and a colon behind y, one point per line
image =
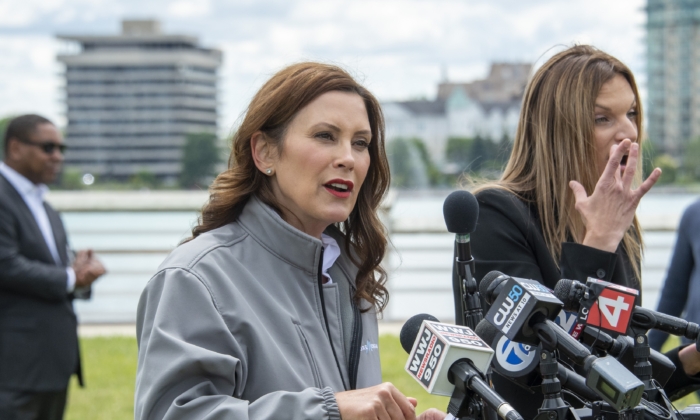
x: 382, y: 401
x: 408, y: 409
x: 632, y: 159
x: 432, y: 414
x: 617, y: 151
x: 649, y: 182
x: 578, y: 190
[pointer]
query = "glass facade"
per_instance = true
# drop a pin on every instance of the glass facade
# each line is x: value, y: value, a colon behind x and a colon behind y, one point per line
x: 673, y: 70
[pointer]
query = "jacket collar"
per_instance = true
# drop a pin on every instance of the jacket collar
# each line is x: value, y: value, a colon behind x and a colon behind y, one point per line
x: 290, y: 244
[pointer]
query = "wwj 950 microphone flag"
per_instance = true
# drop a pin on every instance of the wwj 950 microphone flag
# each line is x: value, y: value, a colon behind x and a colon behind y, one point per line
x: 450, y: 360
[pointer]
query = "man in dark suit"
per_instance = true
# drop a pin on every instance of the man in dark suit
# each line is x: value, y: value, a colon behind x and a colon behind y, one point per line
x: 38, y: 277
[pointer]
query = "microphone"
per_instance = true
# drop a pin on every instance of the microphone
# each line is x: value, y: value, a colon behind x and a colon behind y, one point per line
x: 622, y: 348
x: 514, y: 302
x: 618, y: 310
x: 519, y: 304
x: 450, y: 360
x: 519, y: 363
x: 461, y: 212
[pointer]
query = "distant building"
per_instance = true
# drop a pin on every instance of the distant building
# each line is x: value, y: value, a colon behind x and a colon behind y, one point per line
x: 488, y: 108
x: 132, y: 98
x: 673, y: 72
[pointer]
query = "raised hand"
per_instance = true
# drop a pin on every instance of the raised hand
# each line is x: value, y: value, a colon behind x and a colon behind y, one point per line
x: 608, y: 213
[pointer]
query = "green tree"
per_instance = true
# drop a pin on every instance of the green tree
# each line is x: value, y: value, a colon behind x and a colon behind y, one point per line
x: 669, y: 168
x: 648, y: 154
x: 434, y: 174
x: 143, y: 179
x: 691, y: 160
x: 408, y: 169
x: 477, y: 154
x: 3, y: 126
x: 71, y: 179
x: 200, y: 155
x: 458, y: 151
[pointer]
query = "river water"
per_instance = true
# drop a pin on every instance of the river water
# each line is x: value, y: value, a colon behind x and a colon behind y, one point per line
x: 133, y: 244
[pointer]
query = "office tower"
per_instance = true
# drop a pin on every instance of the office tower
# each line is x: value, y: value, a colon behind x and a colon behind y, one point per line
x: 131, y: 99
x: 673, y: 73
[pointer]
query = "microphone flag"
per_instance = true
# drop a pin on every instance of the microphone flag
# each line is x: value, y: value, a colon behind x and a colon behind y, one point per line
x: 516, y: 303
x: 437, y: 347
x: 608, y: 306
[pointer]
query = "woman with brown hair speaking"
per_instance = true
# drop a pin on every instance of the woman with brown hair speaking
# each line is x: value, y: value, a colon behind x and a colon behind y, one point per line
x: 270, y: 310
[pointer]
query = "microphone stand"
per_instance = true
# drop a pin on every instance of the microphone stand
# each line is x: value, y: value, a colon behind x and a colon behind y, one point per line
x: 464, y: 403
x: 468, y: 310
x: 553, y: 406
x: 643, y: 369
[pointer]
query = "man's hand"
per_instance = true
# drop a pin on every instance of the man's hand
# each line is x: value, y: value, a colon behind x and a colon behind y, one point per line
x: 87, y: 268
x: 690, y: 359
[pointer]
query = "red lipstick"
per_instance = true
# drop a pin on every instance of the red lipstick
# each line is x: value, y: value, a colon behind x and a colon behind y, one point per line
x: 339, y: 187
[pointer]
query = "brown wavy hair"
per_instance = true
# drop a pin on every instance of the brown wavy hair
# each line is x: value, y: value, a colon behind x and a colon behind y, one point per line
x: 555, y: 143
x: 271, y: 111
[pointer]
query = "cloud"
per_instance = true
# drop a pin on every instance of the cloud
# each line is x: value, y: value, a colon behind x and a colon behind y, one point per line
x: 397, y: 47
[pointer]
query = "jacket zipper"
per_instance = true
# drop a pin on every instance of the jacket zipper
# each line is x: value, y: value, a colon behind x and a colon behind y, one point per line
x: 355, y: 345
x: 325, y: 318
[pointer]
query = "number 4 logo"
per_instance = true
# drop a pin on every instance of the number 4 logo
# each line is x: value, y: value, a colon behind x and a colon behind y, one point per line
x: 616, y: 309
x: 618, y: 305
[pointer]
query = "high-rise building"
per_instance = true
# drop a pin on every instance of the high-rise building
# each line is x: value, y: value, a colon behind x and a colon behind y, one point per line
x: 673, y: 73
x: 132, y: 98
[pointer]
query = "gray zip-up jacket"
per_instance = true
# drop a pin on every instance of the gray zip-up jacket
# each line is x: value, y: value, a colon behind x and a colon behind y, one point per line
x: 236, y: 324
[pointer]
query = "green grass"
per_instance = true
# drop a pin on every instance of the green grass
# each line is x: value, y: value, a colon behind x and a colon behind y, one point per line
x: 109, y: 370
x: 393, y: 361
x: 109, y: 366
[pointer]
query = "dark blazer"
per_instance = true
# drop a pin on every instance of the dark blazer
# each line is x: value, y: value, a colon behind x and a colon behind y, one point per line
x: 508, y: 238
x: 38, y: 328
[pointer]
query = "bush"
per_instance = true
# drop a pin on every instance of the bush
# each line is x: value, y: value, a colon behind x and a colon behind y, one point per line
x: 669, y: 168
x: 200, y: 156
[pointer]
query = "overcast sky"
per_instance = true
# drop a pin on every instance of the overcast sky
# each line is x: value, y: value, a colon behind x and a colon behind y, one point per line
x: 398, y: 48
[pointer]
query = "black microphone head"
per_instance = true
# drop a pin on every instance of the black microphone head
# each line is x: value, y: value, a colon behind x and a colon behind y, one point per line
x: 410, y: 329
x: 489, y: 283
x: 486, y: 331
x: 461, y: 212
x: 566, y: 291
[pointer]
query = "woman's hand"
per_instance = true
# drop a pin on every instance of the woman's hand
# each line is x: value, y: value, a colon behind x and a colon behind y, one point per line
x: 382, y: 401
x: 609, y: 211
x: 432, y: 414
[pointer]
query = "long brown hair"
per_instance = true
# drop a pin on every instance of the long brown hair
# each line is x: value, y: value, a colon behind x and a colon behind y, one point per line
x: 270, y: 111
x: 555, y: 143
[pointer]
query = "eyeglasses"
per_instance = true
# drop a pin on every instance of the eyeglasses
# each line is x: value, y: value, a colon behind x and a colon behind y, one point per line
x: 47, y: 146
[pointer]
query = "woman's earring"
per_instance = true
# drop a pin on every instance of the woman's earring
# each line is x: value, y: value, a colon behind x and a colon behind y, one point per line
x: 268, y: 171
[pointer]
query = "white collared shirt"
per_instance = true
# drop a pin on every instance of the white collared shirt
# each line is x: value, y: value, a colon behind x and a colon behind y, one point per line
x: 331, y: 252
x: 33, y: 196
